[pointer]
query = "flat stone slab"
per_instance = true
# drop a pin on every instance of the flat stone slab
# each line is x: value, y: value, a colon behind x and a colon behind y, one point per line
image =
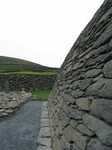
x: 45, y: 124
x: 44, y: 132
x: 44, y: 141
x: 44, y: 148
x: 44, y: 138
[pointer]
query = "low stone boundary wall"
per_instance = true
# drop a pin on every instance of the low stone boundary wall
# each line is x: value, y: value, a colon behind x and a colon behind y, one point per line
x: 10, y: 101
x: 17, y: 82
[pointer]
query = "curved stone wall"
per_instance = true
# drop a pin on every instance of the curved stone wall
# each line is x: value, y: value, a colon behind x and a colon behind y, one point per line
x: 80, y: 105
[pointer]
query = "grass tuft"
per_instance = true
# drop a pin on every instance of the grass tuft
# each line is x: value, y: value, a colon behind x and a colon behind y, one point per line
x: 41, y: 95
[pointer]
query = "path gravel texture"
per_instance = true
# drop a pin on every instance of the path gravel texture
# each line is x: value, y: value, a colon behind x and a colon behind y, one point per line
x: 20, y: 131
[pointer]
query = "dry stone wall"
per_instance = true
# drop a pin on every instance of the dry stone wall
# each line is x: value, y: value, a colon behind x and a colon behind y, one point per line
x: 16, y: 82
x: 80, y: 105
x: 9, y: 102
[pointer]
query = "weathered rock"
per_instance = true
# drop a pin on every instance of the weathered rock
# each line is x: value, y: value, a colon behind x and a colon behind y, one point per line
x: 73, y: 123
x: 93, y: 73
x: 100, y: 50
x: 105, y: 36
x: 98, y: 61
x: 68, y: 98
x: 108, y: 69
x: 72, y: 135
x: 102, y: 88
x: 95, y: 144
x: 83, y: 103
x: 110, y: 43
x: 13, y: 104
x: 10, y: 101
x: 102, y: 108
x: 2, y: 110
x: 74, y: 114
x: 82, y: 84
x: 84, y: 130
x: 28, y: 82
x: 77, y: 93
x: 65, y: 120
x: 101, y: 129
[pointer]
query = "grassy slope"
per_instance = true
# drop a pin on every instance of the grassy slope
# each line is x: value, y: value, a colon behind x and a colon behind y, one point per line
x: 8, y: 64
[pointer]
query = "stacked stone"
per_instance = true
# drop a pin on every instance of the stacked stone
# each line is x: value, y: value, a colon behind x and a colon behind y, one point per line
x: 80, y: 105
x: 44, y: 138
x: 10, y: 101
x: 16, y: 82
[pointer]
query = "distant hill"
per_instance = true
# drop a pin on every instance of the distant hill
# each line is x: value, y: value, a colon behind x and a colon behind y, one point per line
x: 10, y: 64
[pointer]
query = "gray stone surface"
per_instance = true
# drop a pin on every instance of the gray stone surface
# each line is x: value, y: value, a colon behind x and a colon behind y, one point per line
x: 75, y: 114
x: 20, y: 131
x: 84, y: 103
x: 80, y: 108
x: 68, y: 98
x: 73, y: 135
x: 77, y: 93
x: 107, y: 70
x: 101, y: 129
x: 102, y: 108
x: 17, y: 82
x: 95, y: 144
x: 93, y: 73
x: 10, y: 101
x: 44, y: 137
x: 105, y: 36
x: 84, y: 130
x: 102, y: 88
x: 82, y: 84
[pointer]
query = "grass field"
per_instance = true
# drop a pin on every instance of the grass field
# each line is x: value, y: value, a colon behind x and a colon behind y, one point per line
x: 9, y: 64
x: 15, y: 66
x: 41, y: 94
x: 40, y: 73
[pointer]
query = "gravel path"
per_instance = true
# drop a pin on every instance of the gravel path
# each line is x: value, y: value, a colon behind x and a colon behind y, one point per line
x: 20, y: 131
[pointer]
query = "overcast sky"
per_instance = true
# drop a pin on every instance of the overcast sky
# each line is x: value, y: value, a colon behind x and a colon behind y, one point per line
x: 43, y: 31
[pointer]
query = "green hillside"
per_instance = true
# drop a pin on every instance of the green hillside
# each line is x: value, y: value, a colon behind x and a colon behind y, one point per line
x: 10, y: 65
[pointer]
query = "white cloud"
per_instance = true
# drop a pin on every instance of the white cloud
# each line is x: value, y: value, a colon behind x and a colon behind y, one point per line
x: 42, y: 31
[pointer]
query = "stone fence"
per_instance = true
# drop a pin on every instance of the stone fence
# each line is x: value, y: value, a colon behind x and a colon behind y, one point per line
x: 17, y: 82
x: 9, y: 102
x: 80, y: 105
